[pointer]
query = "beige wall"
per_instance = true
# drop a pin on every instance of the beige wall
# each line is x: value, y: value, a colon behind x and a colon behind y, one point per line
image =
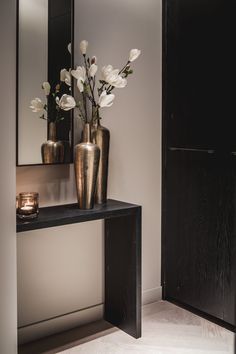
x: 112, y: 29
x: 8, y: 339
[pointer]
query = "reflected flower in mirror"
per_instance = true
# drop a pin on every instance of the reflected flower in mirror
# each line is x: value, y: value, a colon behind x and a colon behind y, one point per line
x: 53, y: 110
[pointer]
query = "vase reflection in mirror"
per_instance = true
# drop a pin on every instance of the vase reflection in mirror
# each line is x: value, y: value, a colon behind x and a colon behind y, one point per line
x: 52, y: 150
x: 101, y: 137
x: 86, y: 164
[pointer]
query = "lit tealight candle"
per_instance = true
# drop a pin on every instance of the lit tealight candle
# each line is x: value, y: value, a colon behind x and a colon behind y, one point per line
x: 27, y: 208
x: 27, y: 205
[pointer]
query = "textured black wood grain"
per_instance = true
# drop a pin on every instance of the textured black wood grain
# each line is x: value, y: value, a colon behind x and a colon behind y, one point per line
x: 70, y: 214
x: 200, y: 232
x: 229, y: 238
x: 193, y: 266
x: 122, y: 255
x: 123, y: 272
x: 199, y: 168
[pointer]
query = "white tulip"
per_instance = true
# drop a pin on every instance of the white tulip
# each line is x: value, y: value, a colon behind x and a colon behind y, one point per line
x: 80, y: 75
x: 134, y: 54
x: 66, y: 102
x: 83, y: 47
x: 37, y: 105
x: 65, y: 76
x: 93, y: 70
x: 112, y: 77
x: 106, y: 100
x: 47, y: 88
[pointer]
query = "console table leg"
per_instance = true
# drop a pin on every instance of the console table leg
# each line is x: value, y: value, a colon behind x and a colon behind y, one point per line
x: 123, y: 272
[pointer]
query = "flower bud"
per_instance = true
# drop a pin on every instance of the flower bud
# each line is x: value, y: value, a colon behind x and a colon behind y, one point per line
x: 94, y: 60
x: 46, y: 87
x: 134, y: 54
x: 83, y: 47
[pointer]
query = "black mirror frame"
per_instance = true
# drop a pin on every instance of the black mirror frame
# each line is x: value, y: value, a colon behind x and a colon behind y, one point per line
x: 17, y: 90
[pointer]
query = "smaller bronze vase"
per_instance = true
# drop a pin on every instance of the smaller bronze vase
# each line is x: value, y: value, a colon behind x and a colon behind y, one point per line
x: 101, y: 137
x: 86, y: 164
x: 52, y: 151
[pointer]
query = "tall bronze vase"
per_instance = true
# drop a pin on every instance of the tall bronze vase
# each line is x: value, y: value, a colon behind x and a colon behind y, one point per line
x: 52, y: 151
x: 86, y: 165
x: 101, y: 137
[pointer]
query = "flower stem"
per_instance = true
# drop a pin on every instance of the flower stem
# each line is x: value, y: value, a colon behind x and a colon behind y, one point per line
x: 85, y: 107
x: 89, y: 80
x: 121, y: 71
x: 81, y: 112
x: 95, y: 114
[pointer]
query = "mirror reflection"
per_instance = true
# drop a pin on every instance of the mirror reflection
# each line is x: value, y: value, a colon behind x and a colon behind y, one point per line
x: 45, y: 56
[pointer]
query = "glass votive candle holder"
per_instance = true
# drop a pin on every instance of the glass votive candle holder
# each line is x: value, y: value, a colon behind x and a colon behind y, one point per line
x: 28, y: 205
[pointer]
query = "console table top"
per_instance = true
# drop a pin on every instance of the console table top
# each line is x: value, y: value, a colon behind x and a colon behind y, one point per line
x: 69, y: 214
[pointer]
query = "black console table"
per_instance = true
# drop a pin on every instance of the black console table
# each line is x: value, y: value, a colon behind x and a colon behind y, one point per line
x: 122, y: 255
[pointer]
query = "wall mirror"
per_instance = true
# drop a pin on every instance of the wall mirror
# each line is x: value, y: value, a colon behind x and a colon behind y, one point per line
x: 45, y: 46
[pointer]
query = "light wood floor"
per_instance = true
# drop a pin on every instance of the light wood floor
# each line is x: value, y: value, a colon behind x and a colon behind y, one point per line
x: 167, y: 329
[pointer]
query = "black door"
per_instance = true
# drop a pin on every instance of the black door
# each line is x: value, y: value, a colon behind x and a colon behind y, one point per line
x: 200, y: 232
x: 200, y: 75
x: 199, y: 165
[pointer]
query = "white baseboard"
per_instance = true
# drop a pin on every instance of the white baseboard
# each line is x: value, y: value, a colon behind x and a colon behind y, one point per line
x: 62, y: 323
x: 152, y: 295
x: 59, y: 324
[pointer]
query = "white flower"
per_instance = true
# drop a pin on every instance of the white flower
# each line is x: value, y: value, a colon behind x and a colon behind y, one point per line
x: 120, y: 82
x: 83, y: 47
x: 69, y: 48
x: 93, y: 70
x: 112, y: 77
x: 106, y: 70
x: 47, y: 88
x: 37, y: 105
x: 80, y: 75
x: 66, y: 102
x: 106, y: 100
x: 65, y: 76
x: 134, y: 54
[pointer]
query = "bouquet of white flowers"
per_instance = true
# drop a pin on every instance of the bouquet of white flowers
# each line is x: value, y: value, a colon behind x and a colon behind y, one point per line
x: 85, y: 76
x: 97, y: 95
x: 91, y: 156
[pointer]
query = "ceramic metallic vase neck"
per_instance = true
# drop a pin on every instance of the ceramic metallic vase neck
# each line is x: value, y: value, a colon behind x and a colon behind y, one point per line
x: 87, y: 133
x: 101, y: 137
x: 52, y: 151
x: 52, y: 133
